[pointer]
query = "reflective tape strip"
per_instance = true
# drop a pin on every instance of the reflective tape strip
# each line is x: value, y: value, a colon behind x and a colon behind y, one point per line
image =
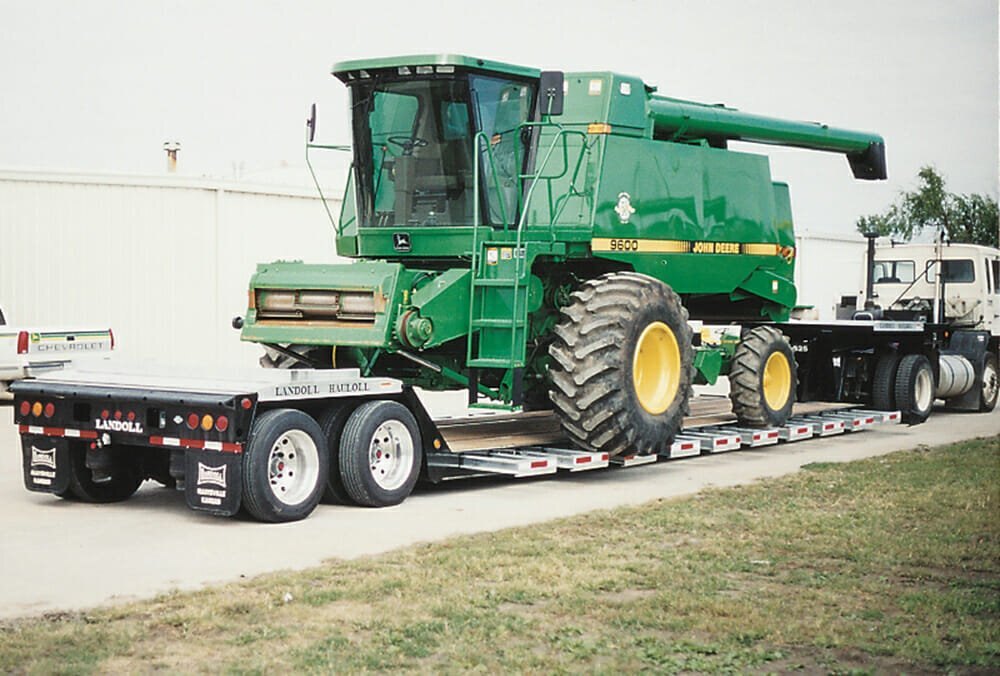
x: 197, y: 444
x: 638, y: 245
x: 57, y: 432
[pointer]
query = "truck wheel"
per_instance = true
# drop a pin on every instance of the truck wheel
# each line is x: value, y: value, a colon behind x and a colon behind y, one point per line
x: 332, y: 423
x: 621, y: 365
x: 991, y: 384
x: 914, y: 388
x: 884, y: 381
x: 762, y: 378
x: 284, y: 466
x: 380, y: 454
x: 124, y: 481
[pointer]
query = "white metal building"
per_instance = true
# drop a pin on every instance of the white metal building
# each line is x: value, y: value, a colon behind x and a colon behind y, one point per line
x: 163, y: 260
x: 828, y: 266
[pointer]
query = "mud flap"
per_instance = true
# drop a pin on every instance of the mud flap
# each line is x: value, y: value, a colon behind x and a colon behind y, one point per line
x: 213, y: 481
x: 46, y: 463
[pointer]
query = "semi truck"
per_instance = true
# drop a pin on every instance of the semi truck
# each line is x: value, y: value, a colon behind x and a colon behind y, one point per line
x: 574, y: 248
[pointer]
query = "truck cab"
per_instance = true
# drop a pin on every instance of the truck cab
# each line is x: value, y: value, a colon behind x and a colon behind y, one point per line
x: 954, y: 284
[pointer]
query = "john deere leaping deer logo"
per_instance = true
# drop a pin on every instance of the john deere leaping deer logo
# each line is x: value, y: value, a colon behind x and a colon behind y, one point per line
x: 624, y: 208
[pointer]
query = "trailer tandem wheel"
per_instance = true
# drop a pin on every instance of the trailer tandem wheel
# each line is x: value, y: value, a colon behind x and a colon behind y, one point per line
x: 621, y: 369
x: 285, y: 466
x: 122, y: 483
x: 914, y: 388
x: 762, y: 378
x: 332, y: 422
x: 380, y: 454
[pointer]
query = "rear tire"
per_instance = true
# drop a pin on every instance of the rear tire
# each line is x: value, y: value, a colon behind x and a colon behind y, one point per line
x: 914, y: 388
x: 285, y: 466
x: 762, y: 378
x: 622, y: 363
x: 380, y: 454
x: 991, y: 384
x: 332, y: 423
x: 884, y: 382
x: 124, y: 481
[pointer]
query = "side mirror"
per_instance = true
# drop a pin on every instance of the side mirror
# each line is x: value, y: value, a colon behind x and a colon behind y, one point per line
x: 550, y: 92
x: 311, y: 123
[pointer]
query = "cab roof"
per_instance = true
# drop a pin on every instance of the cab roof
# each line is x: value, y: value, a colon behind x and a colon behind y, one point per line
x: 456, y: 60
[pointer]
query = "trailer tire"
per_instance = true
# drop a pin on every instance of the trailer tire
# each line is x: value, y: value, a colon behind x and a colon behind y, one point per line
x: 380, y: 454
x: 991, y: 384
x: 124, y: 481
x: 914, y: 388
x: 622, y: 365
x: 884, y: 382
x: 332, y: 422
x: 762, y: 378
x: 285, y: 466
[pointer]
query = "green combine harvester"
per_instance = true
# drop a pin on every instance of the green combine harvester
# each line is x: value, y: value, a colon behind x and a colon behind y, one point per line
x: 569, y: 247
x: 542, y: 239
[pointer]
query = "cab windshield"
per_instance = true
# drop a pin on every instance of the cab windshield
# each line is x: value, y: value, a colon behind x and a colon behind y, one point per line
x: 414, y: 149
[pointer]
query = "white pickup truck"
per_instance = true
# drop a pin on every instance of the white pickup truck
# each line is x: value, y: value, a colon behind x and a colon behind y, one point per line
x: 30, y: 351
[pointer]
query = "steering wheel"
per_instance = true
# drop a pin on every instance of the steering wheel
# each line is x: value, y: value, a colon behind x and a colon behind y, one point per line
x: 407, y: 143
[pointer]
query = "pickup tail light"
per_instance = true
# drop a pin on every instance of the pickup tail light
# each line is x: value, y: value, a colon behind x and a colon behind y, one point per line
x: 22, y: 342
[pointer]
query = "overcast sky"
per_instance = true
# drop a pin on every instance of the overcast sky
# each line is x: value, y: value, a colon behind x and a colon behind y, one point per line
x: 99, y: 86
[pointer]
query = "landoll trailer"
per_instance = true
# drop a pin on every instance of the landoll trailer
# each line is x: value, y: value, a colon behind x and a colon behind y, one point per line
x: 570, y: 247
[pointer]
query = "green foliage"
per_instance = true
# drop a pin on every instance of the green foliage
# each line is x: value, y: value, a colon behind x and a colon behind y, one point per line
x: 971, y: 219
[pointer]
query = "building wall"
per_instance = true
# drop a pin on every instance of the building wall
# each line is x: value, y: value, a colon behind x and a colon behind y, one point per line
x: 828, y: 266
x: 164, y: 261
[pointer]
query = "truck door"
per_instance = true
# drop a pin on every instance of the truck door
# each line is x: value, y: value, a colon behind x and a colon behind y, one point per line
x: 992, y: 314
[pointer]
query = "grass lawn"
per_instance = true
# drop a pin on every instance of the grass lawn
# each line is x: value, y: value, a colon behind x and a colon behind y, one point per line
x: 885, y: 565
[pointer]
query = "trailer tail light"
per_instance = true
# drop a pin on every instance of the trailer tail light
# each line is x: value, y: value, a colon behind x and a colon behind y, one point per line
x: 246, y: 404
x: 25, y: 407
x: 50, y: 410
x: 22, y: 342
x: 36, y: 409
x: 207, y: 422
x: 193, y: 420
x: 222, y: 423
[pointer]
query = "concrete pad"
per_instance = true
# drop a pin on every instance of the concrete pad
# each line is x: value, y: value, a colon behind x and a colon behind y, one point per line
x: 58, y: 555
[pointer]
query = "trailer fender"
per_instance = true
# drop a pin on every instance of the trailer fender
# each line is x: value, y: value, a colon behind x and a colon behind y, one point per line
x: 46, y: 463
x: 213, y: 481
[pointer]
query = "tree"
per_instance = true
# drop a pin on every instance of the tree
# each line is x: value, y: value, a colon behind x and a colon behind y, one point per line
x: 971, y: 219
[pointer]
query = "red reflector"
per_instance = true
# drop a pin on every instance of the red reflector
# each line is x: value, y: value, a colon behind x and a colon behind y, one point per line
x: 222, y: 423
x: 605, y: 456
x: 772, y: 435
x: 131, y: 416
x: 193, y: 420
x: 582, y: 460
x: 539, y: 464
x: 246, y: 404
x: 25, y: 407
x: 50, y: 410
x: 105, y: 414
x: 118, y: 415
x: 22, y: 342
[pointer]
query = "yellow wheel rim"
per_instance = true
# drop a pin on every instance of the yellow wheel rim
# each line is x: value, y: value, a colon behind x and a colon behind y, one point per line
x: 656, y: 368
x: 777, y: 381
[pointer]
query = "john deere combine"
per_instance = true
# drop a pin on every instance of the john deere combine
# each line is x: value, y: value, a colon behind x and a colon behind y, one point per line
x: 542, y: 239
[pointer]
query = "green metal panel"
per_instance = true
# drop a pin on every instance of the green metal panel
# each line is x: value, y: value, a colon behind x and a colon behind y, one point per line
x: 344, y: 67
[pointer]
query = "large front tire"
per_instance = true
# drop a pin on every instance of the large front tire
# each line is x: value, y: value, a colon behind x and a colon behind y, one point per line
x: 762, y: 379
x: 622, y: 363
x: 284, y: 466
x: 380, y: 454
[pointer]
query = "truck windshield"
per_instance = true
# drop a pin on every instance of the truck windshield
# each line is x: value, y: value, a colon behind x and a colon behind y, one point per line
x: 414, y: 145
